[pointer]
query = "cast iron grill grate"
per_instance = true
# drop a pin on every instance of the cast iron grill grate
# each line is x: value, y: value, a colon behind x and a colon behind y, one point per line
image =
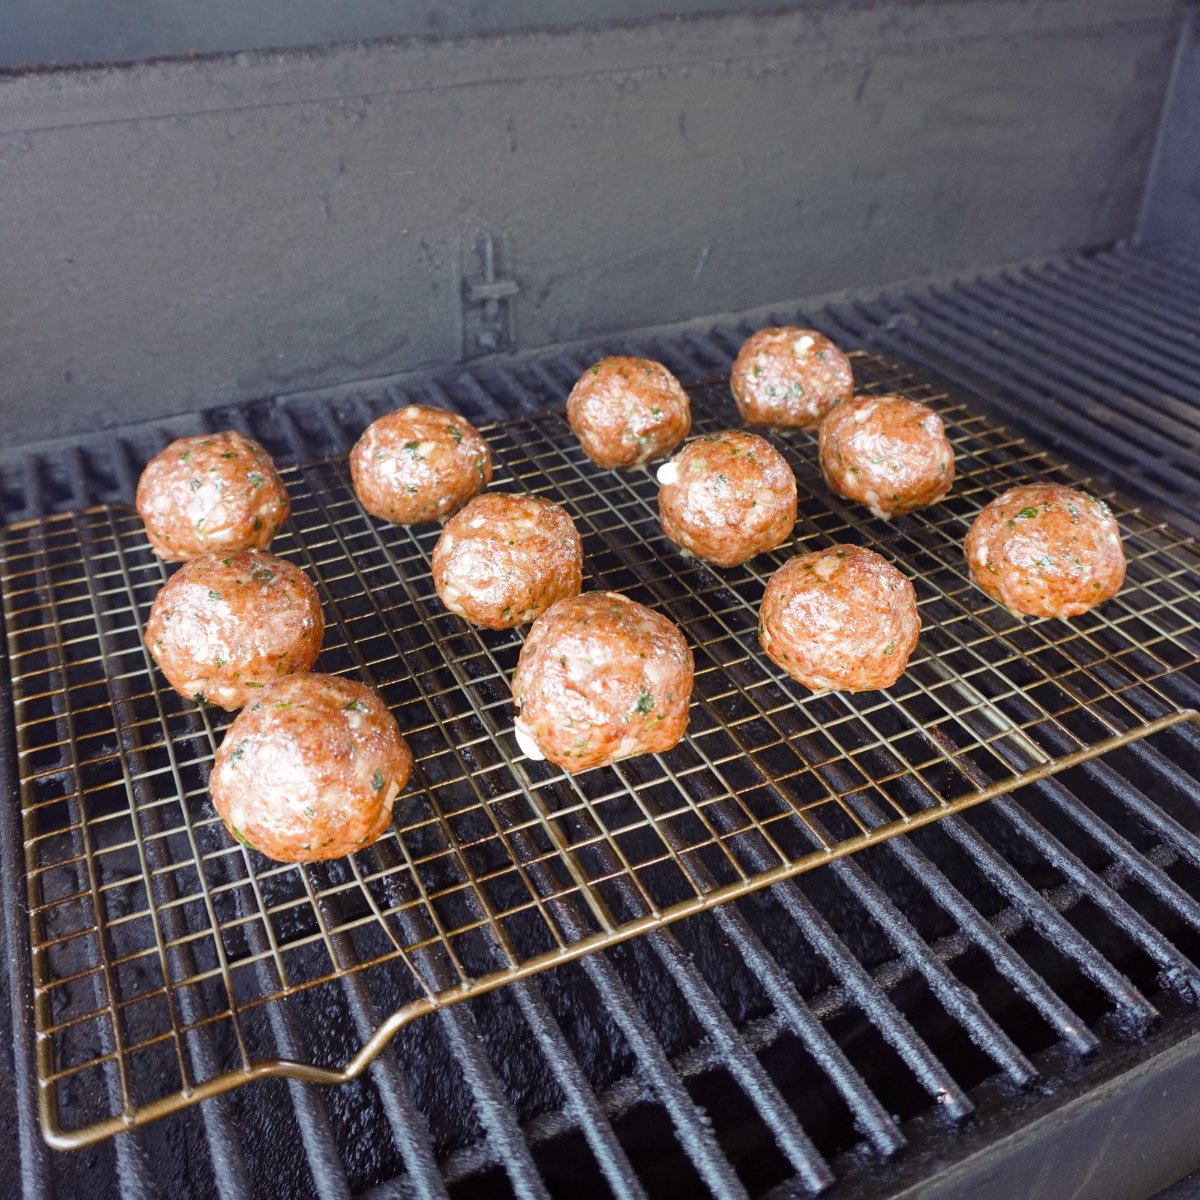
x: 496, y: 867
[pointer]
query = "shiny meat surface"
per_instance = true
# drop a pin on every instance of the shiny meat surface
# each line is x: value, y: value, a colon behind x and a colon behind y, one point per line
x: 627, y: 411
x: 504, y: 559
x: 602, y: 678
x: 226, y: 625
x: 217, y: 491
x: 310, y: 770
x: 419, y: 464
x: 843, y: 619
x: 1043, y: 550
x: 887, y: 452
x: 727, y: 497
x: 789, y: 377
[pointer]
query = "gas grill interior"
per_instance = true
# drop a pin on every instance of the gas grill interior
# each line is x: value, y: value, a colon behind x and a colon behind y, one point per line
x: 935, y: 941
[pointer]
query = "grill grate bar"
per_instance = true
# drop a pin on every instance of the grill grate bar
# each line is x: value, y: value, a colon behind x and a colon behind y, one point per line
x: 1138, y: 867
x: 582, y: 1103
x: 1076, y: 366
x: 1100, y: 314
x: 1103, y: 350
x: 873, y: 1003
x: 1147, y: 299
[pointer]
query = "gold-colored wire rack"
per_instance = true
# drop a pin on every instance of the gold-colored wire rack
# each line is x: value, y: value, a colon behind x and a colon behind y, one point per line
x: 161, y: 947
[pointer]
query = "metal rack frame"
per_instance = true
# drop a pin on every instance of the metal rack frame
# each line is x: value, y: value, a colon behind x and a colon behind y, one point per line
x: 490, y: 855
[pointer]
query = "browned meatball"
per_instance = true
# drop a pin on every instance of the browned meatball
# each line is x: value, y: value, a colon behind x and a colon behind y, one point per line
x: 842, y: 619
x: 789, y: 377
x: 217, y: 491
x: 1046, y: 551
x: 727, y: 497
x: 419, y: 464
x: 226, y: 625
x: 504, y: 559
x: 887, y: 452
x: 310, y: 770
x: 627, y: 411
x: 601, y: 678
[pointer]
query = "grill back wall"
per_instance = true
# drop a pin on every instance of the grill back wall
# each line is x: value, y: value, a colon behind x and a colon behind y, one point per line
x: 331, y: 215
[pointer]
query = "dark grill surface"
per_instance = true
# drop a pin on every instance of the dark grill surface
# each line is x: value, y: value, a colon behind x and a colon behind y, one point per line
x: 835, y: 1031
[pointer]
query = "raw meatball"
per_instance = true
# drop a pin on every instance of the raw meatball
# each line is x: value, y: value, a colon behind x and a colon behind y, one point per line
x: 601, y: 678
x: 887, y: 452
x: 727, y: 497
x: 217, y: 491
x: 1046, y: 551
x: 503, y: 560
x: 310, y: 770
x: 842, y: 618
x: 789, y: 377
x: 626, y: 411
x: 225, y: 625
x: 419, y: 464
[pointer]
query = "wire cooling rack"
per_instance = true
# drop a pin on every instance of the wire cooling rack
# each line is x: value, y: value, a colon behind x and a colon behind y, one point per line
x: 162, y: 948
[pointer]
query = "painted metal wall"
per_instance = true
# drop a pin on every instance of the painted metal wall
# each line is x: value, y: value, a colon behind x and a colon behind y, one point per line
x: 184, y: 233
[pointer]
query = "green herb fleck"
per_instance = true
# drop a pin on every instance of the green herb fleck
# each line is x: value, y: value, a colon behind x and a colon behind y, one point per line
x: 200, y: 700
x: 656, y: 412
x: 238, y: 753
x: 757, y: 370
x: 256, y: 479
x: 596, y: 369
x: 1027, y: 513
x: 251, y: 683
x: 284, y: 704
x: 378, y: 780
x: 214, y: 595
x: 889, y: 648
x: 356, y: 706
x: 196, y: 485
x: 227, y: 562
x: 454, y: 432
x: 310, y: 811
x: 186, y: 456
x: 262, y: 574
x: 479, y: 466
x: 991, y: 567
x: 645, y: 703
x: 257, y: 524
x: 241, y: 837
x: 229, y: 454
x: 1074, y: 514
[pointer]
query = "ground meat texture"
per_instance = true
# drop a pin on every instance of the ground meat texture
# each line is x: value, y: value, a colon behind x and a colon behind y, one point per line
x: 727, y: 497
x: 1043, y: 550
x: 887, y: 452
x: 419, y: 464
x: 226, y: 625
x: 217, y: 491
x: 627, y: 411
x: 789, y: 377
x: 843, y: 619
x: 310, y: 770
x: 601, y: 678
x: 504, y: 559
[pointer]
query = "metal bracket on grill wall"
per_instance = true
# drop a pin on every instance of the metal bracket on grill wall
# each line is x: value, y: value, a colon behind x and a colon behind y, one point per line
x: 488, y: 322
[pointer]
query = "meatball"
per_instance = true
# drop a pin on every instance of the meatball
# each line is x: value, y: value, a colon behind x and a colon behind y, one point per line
x: 504, y: 559
x: 789, y: 377
x: 727, y: 497
x: 310, y: 770
x: 601, y: 678
x: 627, y: 411
x: 1044, y: 550
x: 217, y: 491
x: 842, y: 619
x: 226, y: 625
x: 887, y: 452
x: 419, y: 464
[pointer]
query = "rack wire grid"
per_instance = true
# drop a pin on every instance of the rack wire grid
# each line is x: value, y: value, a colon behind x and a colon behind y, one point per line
x: 161, y: 946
